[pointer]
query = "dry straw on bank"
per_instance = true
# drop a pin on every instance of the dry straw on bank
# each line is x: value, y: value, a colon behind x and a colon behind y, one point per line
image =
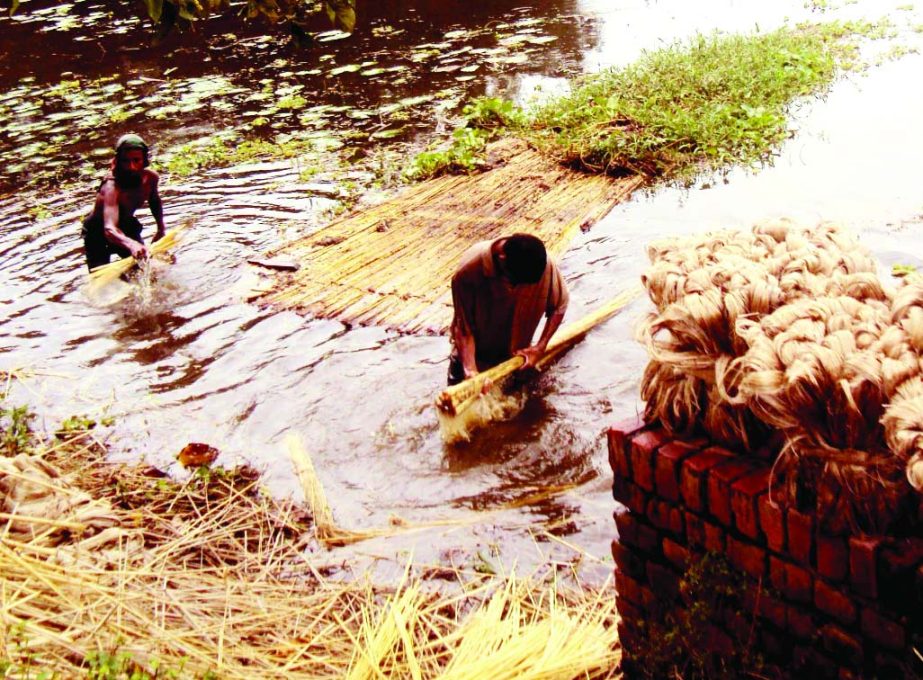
x: 213, y: 576
x: 787, y: 329
x: 390, y: 265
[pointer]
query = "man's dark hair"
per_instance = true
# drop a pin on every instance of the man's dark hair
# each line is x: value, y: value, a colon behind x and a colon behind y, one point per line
x: 525, y: 258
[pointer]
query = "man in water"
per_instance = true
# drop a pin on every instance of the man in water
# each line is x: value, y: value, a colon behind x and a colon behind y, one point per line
x: 500, y: 292
x: 112, y: 226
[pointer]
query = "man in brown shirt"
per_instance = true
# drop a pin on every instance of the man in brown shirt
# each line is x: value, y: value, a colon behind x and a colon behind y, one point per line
x: 500, y: 292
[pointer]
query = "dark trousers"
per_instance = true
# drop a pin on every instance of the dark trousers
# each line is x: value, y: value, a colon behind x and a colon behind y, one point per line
x: 100, y: 250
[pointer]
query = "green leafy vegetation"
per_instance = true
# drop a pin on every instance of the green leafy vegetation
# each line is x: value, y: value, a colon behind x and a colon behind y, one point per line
x: 223, y: 152
x: 15, y: 431
x: 676, y: 646
x: 708, y: 104
x: 714, y: 102
x: 121, y: 665
x: 485, y: 118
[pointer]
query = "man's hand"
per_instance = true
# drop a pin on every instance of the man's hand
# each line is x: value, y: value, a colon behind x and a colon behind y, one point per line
x: 531, y: 355
x: 137, y: 250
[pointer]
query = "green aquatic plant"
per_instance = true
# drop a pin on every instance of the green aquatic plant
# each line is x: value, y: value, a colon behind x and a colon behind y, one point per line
x: 217, y: 152
x: 707, y: 104
x: 710, y: 103
x: 15, y: 431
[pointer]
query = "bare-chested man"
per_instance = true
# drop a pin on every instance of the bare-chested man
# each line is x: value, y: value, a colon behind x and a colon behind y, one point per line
x: 112, y: 226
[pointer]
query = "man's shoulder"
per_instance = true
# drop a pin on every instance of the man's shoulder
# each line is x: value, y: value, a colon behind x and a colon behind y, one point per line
x: 471, y: 264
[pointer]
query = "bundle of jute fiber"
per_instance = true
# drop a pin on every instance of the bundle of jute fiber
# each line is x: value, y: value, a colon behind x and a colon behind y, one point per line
x: 902, y: 349
x: 786, y: 337
x: 703, y: 286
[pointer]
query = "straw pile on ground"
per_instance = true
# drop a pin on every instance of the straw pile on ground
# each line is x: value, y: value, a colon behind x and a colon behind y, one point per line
x: 783, y: 341
x: 390, y: 265
x: 213, y: 578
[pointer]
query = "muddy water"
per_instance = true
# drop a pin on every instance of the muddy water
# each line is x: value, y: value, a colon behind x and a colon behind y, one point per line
x: 197, y: 363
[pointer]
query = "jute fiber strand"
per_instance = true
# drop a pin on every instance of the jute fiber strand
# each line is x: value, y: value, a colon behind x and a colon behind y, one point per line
x: 108, y: 273
x: 463, y: 408
x: 222, y: 585
x: 783, y: 339
x: 390, y: 265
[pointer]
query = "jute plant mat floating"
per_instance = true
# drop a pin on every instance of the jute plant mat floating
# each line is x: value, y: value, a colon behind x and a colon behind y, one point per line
x: 390, y: 265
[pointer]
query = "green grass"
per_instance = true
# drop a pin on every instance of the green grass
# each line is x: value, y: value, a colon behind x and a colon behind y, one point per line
x: 707, y: 104
x: 713, y: 102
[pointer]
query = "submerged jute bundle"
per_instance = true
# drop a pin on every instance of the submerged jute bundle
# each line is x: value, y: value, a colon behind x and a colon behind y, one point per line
x: 788, y: 329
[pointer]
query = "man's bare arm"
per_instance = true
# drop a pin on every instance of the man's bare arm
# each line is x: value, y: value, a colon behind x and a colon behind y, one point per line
x: 111, y: 224
x: 552, y: 323
x: 156, y: 207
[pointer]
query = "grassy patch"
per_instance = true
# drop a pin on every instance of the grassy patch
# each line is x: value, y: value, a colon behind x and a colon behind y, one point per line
x: 707, y: 104
x: 714, y: 102
x: 220, y: 152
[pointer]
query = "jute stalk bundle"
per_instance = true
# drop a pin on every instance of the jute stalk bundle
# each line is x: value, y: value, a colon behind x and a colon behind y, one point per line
x: 107, y: 273
x: 461, y: 408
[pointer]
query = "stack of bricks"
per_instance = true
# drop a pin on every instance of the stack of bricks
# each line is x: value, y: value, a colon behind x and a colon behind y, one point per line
x: 816, y: 605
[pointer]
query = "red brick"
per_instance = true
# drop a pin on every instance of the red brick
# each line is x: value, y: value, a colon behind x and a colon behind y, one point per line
x: 716, y: 640
x: 642, y: 448
x: 630, y: 613
x: 766, y: 606
x: 739, y: 627
x: 663, y: 581
x: 618, y: 436
x: 809, y: 663
x: 888, y: 666
x: 842, y: 646
x: 666, y: 517
x: 630, y: 495
x: 832, y: 557
x: 667, y: 464
x: 897, y: 565
x: 863, y: 565
x: 747, y: 557
x: 693, y: 475
x: 636, y: 533
x: 720, y: 478
x: 745, y: 496
x: 772, y: 522
x: 629, y: 589
x: 800, y: 536
x: 795, y: 584
x: 678, y: 555
x: 778, y: 647
x: 882, y: 631
x: 695, y: 531
x: 800, y: 622
x: 714, y: 538
x: 628, y: 561
x: 835, y: 603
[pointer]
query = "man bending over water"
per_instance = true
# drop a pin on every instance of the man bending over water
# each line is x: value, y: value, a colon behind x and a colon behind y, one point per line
x: 112, y: 226
x: 500, y: 292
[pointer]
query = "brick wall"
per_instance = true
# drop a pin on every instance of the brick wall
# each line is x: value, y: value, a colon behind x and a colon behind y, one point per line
x: 814, y: 605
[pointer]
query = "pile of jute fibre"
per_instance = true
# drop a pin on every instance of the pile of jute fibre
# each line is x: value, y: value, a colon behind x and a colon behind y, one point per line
x: 784, y: 341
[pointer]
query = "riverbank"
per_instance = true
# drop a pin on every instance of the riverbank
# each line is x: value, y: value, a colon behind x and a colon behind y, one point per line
x: 114, y: 570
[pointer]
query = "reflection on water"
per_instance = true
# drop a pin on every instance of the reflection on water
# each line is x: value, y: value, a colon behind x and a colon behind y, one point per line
x: 191, y: 360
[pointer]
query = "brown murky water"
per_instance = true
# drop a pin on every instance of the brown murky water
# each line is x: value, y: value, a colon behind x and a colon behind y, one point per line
x: 196, y: 363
